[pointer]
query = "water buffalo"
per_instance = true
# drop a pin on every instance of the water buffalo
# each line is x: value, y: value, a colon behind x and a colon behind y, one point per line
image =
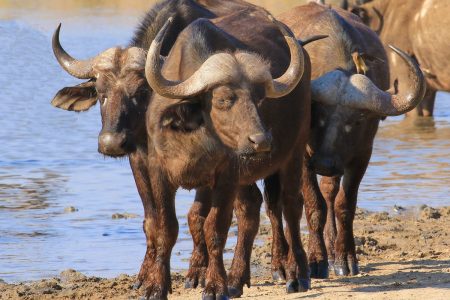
x: 420, y: 27
x: 350, y: 96
x: 116, y: 79
x: 221, y: 71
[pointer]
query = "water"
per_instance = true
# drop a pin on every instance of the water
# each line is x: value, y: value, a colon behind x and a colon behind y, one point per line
x: 49, y: 159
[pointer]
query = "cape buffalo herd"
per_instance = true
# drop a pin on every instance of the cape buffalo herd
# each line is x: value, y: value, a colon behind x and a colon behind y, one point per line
x: 214, y: 95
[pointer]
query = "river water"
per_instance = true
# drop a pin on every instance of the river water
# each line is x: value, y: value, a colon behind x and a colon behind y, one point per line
x: 49, y: 159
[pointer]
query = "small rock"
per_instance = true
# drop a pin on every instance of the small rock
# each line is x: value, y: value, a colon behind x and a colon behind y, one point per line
x: 124, y: 216
x: 70, y: 209
x: 428, y: 213
x: 383, y: 216
x: 359, y: 241
x: 71, y: 275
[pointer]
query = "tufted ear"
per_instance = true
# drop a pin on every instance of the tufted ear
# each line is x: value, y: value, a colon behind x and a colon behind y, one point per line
x: 77, y: 98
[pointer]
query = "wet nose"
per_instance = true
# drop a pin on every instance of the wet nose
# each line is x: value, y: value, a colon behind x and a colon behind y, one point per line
x: 325, y: 166
x: 112, y: 144
x: 261, y: 142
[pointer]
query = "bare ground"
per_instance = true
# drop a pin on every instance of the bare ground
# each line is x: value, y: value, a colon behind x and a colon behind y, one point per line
x: 402, y: 255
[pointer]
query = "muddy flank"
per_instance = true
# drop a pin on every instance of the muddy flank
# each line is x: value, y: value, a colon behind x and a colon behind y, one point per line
x: 403, y: 254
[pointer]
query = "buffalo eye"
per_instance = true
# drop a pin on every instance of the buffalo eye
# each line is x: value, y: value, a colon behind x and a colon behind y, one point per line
x: 224, y: 103
x: 134, y: 100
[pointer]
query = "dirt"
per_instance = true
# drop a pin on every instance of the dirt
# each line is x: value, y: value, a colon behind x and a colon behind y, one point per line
x: 404, y: 254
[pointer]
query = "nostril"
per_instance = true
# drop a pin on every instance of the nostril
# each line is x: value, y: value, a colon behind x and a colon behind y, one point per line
x: 261, y: 142
x: 257, y: 138
x: 106, y: 139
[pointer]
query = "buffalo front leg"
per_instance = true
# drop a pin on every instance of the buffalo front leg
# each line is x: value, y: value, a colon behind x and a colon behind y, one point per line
x: 316, y: 211
x: 275, y: 213
x: 247, y: 207
x: 162, y: 231
x: 139, y: 167
x: 196, y: 219
x: 329, y: 186
x: 297, y: 270
x: 216, y: 229
x: 345, y: 206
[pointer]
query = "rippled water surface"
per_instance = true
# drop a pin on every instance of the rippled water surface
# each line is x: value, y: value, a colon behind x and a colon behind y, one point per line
x: 49, y: 159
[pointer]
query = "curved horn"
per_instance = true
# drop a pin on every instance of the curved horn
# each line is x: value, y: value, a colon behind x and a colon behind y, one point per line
x: 380, y: 21
x: 204, y: 77
x: 81, y: 69
x: 359, y: 92
x: 283, y: 85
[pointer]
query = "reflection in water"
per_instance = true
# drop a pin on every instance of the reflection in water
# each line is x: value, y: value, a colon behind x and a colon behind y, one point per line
x: 48, y: 158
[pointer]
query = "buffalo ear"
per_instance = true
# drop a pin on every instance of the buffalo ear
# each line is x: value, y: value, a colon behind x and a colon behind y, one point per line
x: 77, y: 98
x: 361, y: 13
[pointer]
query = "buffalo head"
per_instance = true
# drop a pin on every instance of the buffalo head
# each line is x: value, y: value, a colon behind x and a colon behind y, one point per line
x: 347, y: 109
x: 117, y: 81
x: 229, y: 87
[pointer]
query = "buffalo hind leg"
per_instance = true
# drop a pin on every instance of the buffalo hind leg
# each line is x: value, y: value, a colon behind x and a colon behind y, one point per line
x: 316, y: 211
x: 247, y: 208
x: 345, y: 206
x: 196, y: 219
x: 426, y: 106
x: 272, y: 191
x: 329, y: 186
x: 216, y: 229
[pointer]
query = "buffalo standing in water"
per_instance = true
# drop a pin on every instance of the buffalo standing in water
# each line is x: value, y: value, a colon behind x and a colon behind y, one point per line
x: 350, y: 96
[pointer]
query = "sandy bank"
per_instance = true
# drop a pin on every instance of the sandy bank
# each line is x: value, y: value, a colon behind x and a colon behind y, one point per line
x: 403, y: 255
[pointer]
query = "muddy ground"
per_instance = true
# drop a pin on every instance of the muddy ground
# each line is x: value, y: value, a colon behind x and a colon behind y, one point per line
x: 404, y: 254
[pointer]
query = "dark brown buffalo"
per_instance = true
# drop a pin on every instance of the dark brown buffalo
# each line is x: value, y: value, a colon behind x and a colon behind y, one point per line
x: 350, y: 96
x: 420, y: 27
x: 222, y: 72
x: 116, y: 79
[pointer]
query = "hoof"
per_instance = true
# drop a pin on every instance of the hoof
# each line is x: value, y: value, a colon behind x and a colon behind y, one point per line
x: 190, y: 284
x: 292, y: 286
x: 319, y: 270
x: 234, y: 292
x: 304, y: 285
x: 278, y: 276
x: 137, y: 285
x: 330, y: 265
x: 212, y: 297
x: 341, y: 269
x: 354, y: 269
x: 153, y: 298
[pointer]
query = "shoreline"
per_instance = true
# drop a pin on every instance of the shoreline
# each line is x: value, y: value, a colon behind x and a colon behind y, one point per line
x: 405, y: 255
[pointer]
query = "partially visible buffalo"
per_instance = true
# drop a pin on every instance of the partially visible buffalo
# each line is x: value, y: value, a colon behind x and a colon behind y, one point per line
x: 421, y: 28
x: 350, y: 93
x: 227, y: 74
